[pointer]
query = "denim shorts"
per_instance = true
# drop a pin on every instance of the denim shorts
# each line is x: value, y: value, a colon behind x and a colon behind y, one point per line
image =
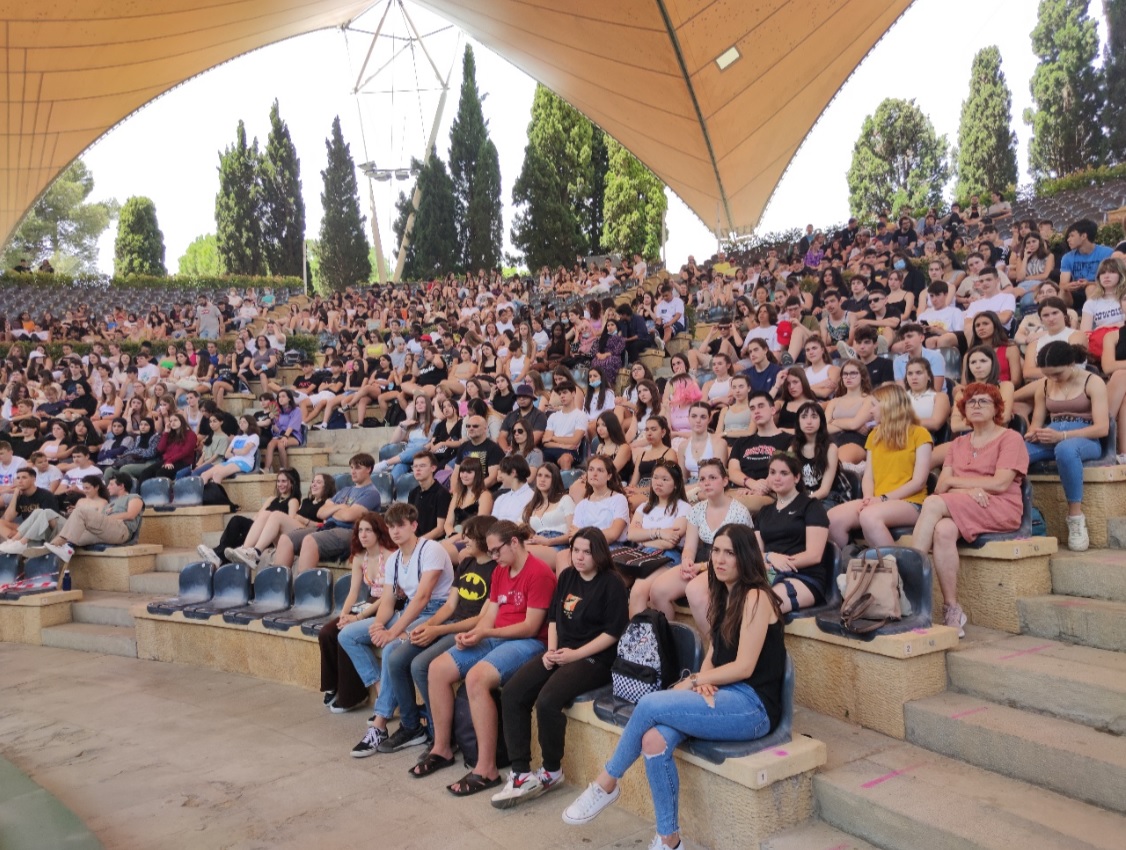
x: 505, y: 656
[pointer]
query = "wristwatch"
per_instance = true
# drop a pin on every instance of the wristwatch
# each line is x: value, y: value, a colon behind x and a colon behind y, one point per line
x: 693, y: 679
x: 884, y: 497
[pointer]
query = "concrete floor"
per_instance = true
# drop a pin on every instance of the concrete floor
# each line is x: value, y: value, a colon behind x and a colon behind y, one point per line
x: 171, y: 756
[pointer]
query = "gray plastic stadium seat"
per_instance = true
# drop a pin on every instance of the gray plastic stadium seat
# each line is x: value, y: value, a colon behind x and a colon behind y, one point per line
x: 187, y: 492
x: 915, y: 573
x: 403, y: 486
x: 339, y: 594
x: 719, y: 751
x: 156, y: 492
x: 342, y: 479
x: 231, y: 586
x: 41, y: 568
x: 570, y: 476
x: 312, y: 598
x: 836, y: 563
x: 388, y: 451
x: 1025, y: 529
x: 385, y: 485
x: 272, y: 595
x: 9, y: 569
x: 689, y: 656
x: 195, y: 588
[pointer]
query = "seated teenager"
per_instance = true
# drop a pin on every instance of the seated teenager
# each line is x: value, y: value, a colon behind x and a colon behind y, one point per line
x: 371, y: 548
x: 737, y: 695
x: 430, y: 499
x: 417, y: 583
x: 511, y: 631
x: 549, y: 512
x: 468, y: 498
x: 566, y: 428
x: 700, y: 446
x: 1114, y: 367
x: 657, y: 448
x: 820, y: 466
x: 241, y: 454
x: 851, y: 411
x: 588, y: 614
x: 43, y: 524
x: 513, y: 474
x: 931, y: 406
x: 114, y: 523
x: 659, y: 525
x: 894, y: 484
x: 750, y: 456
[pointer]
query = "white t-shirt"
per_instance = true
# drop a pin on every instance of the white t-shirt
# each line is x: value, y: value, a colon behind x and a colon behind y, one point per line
x: 74, y: 475
x: 511, y: 505
x: 601, y: 514
x: 8, y: 471
x: 998, y: 303
x: 670, y: 311
x: 1105, y: 312
x: 563, y: 424
x: 950, y: 319
x: 148, y: 372
x: 607, y: 404
x: 428, y: 556
x: 44, y: 480
x: 555, y: 518
x: 658, y: 519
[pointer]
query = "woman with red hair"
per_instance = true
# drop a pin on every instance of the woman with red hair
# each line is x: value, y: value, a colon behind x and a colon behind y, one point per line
x: 978, y: 491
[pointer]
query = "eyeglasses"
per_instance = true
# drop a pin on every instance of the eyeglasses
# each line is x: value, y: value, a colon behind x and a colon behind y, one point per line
x: 493, y: 553
x: 979, y: 401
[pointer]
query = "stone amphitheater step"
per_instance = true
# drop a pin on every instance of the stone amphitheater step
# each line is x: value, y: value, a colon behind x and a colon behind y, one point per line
x: 1097, y: 574
x: 334, y: 469
x: 212, y: 538
x: 908, y: 798
x: 87, y: 637
x: 815, y: 835
x: 1069, y: 758
x: 106, y: 608
x: 162, y: 584
x: 1077, y: 683
x: 350, y: 440
x: 1091, y: 622
x: 172, y: 559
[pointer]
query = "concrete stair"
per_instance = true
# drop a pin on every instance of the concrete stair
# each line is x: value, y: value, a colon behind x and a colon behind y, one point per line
x: 89, y: 637
x: 1095, y: 574
x: 1090, y: 622
x: 173, y: 560
x: 162, y: 584
x: 106, y: 608
x: 1057, y: 754
x: 814, y: 836
x: 909, y: 798
x: 1076, y: 683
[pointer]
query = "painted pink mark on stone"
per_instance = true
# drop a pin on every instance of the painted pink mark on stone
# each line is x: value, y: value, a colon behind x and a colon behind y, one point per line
x: 958, y: 714
x: 1029, y: 651
x: 781, y: 753
x: 872, y: 783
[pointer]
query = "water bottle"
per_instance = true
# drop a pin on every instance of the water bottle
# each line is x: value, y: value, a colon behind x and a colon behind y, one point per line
x: 66, y: 580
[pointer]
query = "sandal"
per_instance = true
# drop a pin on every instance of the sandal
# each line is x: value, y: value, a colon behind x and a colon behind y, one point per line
x: 429, y: 764
x: 472, y: 783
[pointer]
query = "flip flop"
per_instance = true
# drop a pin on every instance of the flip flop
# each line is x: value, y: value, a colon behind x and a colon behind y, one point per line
x: 429, y: 764
x: 472, y: 783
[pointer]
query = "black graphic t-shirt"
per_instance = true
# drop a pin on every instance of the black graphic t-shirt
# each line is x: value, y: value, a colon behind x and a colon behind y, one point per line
x: 754, y: 453
x: 471, y: 584
x: 582, y: 610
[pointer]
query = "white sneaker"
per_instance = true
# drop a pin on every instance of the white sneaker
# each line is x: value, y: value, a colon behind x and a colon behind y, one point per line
x: 13, y: 547
x: 380, y: 466
x: 518, y: 788
x: 1121, y: 459
x: 208, y: 554
x: 658, y: 843
x: 589, y: 804
x: 549, y: 782
x: 66, y: 551
x: 846, y: 350
x: 1077, y: 539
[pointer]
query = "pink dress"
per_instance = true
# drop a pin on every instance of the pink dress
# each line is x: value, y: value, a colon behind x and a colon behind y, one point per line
x: 1005, y: 509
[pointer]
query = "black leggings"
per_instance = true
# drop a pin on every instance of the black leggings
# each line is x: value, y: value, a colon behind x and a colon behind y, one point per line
x: 549, y: 692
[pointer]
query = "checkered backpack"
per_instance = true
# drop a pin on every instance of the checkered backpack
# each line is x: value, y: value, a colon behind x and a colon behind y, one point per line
x: 646, y: 659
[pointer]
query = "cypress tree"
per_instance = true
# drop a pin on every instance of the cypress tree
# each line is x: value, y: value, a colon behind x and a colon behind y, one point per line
x: 238, y: 208
x: 1114, y: 71
x: 1066, y: 133
x: 635, y: 205
x: 342, y: 252
x: 554, y: 183
x: 139, y: 247
x: 434, y: 247
x: 593, y: 209
x: 484, y: 214
x: 468, y: 133
x: 283, y: 208
x: 987, y: 156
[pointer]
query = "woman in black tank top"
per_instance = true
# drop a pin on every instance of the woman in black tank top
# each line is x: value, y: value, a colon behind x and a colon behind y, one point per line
x: 737, y: 695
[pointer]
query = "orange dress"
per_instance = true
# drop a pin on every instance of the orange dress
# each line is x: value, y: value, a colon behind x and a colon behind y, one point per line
x: 1004, y: 512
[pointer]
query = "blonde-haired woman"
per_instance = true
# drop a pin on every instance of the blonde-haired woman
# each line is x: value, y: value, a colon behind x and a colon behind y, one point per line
x: 895, y: 475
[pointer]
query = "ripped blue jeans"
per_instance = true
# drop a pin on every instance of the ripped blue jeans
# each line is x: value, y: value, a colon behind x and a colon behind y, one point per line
x: 738, y: 716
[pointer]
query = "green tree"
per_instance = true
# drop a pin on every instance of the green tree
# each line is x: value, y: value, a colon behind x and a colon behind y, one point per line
x: 139, y: 248
x: 484, y: 214
x: 201, y: 257
x: 468, y: 134
x: 433, y: 248
x: 897, y: 160
x: 283, y: 208
x: 554, y: 183
x: 635, y: 205
x: 1066, y: 134
x: 987, y: 146
x: 596, y: 201
x: 62, y: 226
x: 343, y: 246
x: 1114, y: 71
x: 238, y: 208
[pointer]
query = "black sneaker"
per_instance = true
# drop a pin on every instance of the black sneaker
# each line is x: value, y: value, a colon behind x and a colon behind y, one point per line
x: 370, y: 744
x: 329, y: 697
x: 402, y: 738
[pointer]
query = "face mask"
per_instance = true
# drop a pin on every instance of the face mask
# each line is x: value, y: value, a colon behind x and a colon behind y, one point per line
x: 900, y: 264
x: 594, y: 382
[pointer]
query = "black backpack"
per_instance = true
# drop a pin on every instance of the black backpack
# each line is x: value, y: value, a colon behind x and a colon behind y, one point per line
x: 646, y: 659
x: 465, y: 736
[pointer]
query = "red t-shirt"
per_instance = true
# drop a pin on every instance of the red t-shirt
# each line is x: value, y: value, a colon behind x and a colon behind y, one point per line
x: 533, y: 587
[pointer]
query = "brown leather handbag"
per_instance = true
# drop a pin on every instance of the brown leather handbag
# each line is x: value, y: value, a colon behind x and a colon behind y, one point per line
x: 872, y: 594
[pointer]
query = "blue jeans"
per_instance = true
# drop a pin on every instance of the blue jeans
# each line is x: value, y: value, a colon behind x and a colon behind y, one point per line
x: 409, y: 666
x: 356, y: 641
x: 738, y: 716
x: 188, y: 471
x: 386, y: 702
x: 1069, y: 455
